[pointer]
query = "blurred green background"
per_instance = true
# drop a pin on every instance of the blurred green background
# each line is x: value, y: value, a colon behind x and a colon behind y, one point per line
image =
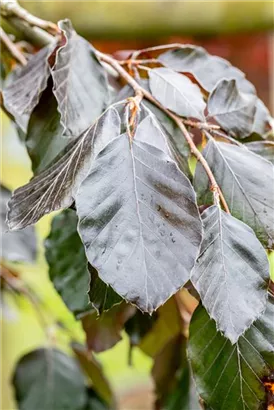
x: 239, y: 31
x: 143, y: 19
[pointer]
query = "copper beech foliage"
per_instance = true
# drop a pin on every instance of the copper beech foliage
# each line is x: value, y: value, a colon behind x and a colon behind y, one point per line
x: 139, y: 221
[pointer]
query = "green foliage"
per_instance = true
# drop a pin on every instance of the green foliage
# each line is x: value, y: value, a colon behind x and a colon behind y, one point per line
x: 48, y: 379
x: 68, y: 270
x: 228, y: 374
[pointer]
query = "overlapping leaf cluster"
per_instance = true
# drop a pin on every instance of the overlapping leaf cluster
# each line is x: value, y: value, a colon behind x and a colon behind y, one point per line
x: 138, y: 234
x: 47, y: 377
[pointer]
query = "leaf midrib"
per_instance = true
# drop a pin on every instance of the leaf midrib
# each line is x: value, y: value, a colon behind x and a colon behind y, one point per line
x: 241, y: 188
x: 180, y: 92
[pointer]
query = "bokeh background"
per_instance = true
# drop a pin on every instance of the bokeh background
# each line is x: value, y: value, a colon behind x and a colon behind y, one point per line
x: 241, y: 32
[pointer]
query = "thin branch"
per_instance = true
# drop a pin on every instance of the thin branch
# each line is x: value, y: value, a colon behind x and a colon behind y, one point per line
x: 136, y: 53
x: 31, y: 27
x: 202, y: 125
x: 42, y: 37
x: 120, y: 70
x: 11, y: 47
x: 140, y: 90
x: 194, y: 124
x: 143, y: 67
x: 11, y: 8
x: 136, y: 62
x: 36, y: 35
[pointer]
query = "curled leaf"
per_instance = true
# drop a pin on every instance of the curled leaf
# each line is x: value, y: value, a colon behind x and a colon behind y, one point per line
x: 80, y: 82
x: 56, y: 187
x: 232, y: 109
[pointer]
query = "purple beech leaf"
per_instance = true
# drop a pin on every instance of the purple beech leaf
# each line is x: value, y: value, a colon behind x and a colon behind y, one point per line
x: 67, y: 262
x: 138, y: 218
x: 263, y: 148
x: 151, y: 126
x: 176, y: 141
x: 104, y: 331
x: 101, y: 295
x: 246, y: 180
x: 69, y: 272
x: 56, y: 187
x: 231, y: 273
x: 26, y: 84
x: 44, y: 140
x: 231, y: 376
x: 177, y: 93
x: 262, y: 119
x: 80, y: 82
x: 49, y: 379
x: 232, y: 109
x: 208, y: 70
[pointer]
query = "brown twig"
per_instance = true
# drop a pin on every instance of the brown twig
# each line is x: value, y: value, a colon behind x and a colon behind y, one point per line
x: 143, y: 67
x: 140, y: 91
x: 36, y: 35
x: 31, y: 27
x: 194, y: 124
x: 136, y: 53
x: 11, y: 8
x: 202, y: 125
x: 11, y: 47
x: 137, y: 62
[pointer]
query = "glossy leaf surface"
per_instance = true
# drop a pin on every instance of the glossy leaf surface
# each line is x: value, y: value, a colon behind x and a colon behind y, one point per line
x: 232, y: 109
x: 56, y: 187
x: 262, y: 148
x: 177, y: 93
x: 137, y: 212
x: 231, y: 273
x: 77, y: 283
x: 65, y: 255
x: 232, y: 375
x: 28, y: 82
x: 48, y: 379
x: 44, y: 140
x: 246, y: 180
x: 80, y: 83
x: 207, y: 69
